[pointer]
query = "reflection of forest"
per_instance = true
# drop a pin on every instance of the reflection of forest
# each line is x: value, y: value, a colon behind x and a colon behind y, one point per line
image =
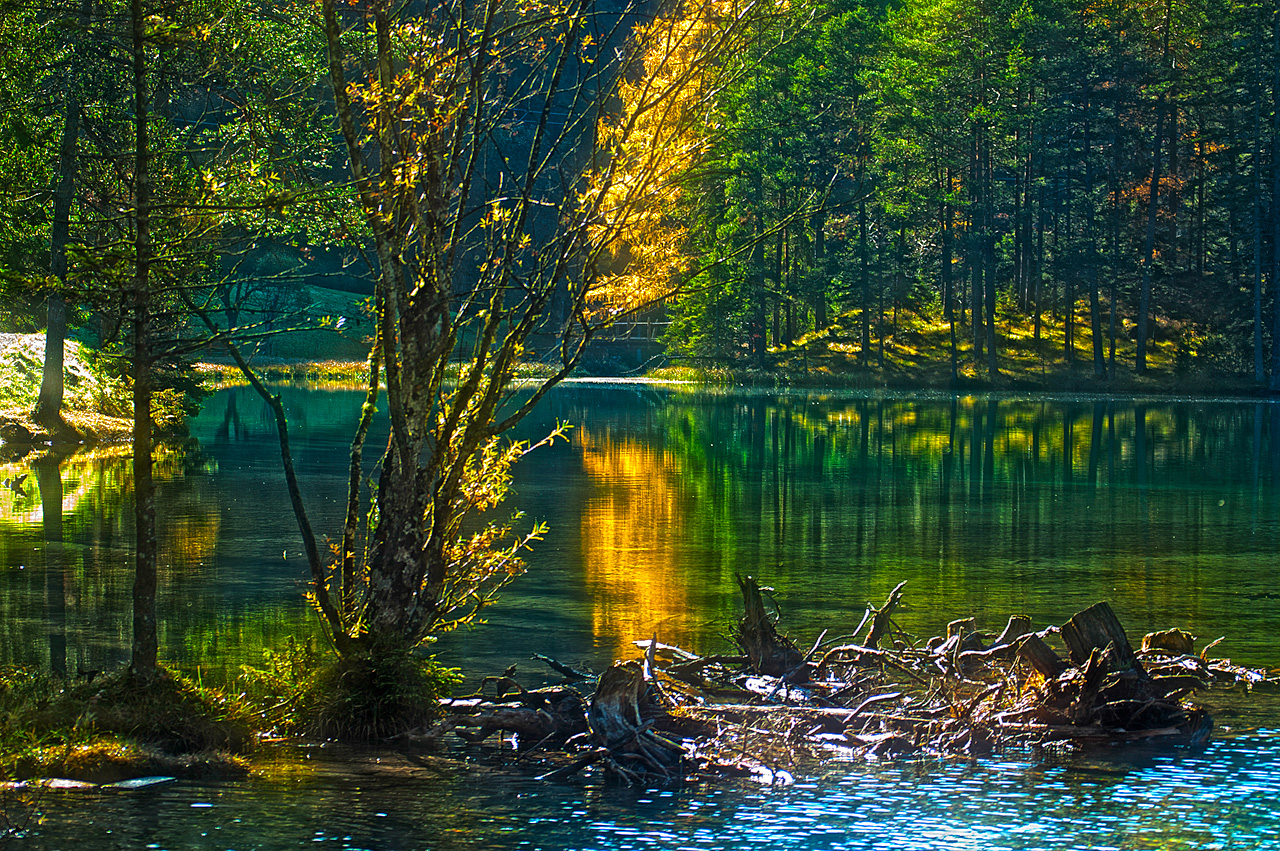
x: 1168, y: 509
x: 66, y: 541
x: 996, y: 505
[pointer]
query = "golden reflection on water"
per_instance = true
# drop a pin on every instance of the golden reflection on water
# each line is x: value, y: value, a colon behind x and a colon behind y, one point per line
x: 987, y: 507
x: 630, y: 530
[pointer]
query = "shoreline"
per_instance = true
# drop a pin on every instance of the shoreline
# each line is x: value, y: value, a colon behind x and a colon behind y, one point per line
x: 20, y: 435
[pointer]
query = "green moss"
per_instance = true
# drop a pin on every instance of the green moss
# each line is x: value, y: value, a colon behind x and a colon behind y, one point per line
x: 170, y: 712
x: 369, y: 698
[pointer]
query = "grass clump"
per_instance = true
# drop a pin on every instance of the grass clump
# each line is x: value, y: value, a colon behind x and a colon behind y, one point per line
x: 117, y: 726
x: 299, y: 691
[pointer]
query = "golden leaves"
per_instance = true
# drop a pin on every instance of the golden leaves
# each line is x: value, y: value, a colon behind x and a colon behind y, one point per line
x: 656, y: 142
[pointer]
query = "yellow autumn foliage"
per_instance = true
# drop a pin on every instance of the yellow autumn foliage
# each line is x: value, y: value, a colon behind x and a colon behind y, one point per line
x: 655, y: 143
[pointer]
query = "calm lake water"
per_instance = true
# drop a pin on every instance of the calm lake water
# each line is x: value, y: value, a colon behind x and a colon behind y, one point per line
x: 986, y: 506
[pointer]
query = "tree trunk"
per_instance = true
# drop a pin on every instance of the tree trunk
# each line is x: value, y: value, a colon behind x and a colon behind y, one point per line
x: 864, y: 347
x: 989, y: 260
x: 145, y: 635
x: 48, y: 409
x: 1149, y: 252
x: 1091, y: 244
x: 944, y: 266
x: 819, y: 225
x: 1115, y: 239
x: 1259, y: 368
x: 1275, y: 200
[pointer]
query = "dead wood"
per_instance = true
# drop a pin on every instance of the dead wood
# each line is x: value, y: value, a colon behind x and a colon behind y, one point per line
x: 570, y: 674
x: 1018, y: 626
x: 881, y: 619
x: 1176, y: 641
x: 1041, y: 657
x: 614, y: 720
x: 771, y: 710
x: 766, y: 650
x: 1094, y: 629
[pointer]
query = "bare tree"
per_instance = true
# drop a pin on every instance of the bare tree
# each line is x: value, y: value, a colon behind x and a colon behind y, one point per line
x: 501, y: 155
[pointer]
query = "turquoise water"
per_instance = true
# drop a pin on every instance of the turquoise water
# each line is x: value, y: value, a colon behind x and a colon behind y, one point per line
x: 1170, y: 509
x: 1220, y: 798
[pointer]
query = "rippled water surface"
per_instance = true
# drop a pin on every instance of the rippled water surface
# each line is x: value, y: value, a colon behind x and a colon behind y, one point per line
x: 1220, y: 798
x: 986, y: 506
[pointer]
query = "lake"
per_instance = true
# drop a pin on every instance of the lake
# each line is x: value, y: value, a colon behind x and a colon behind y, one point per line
x: 986, y: 506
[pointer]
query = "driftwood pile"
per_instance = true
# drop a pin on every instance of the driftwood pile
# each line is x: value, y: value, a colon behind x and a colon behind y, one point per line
x: 773, y: 708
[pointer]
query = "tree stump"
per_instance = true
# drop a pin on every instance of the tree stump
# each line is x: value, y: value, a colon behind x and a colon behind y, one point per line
x: 766, y: 650
x: 614, y: 716
x: 1094, y: 629
x: 629, y: 749
x: 881, y: 620
x: 1041, y: 657
x: 1178, y: 642
x: 1018, y: 626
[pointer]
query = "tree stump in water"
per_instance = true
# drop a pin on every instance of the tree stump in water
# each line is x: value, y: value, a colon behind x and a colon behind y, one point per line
x: 1018, y: 626
x: 1094, y: 629
x: 633, y: 751
x: 766, y: 650
x: 1041, y: 657
x: 614, y: 716
x: 882, y: 619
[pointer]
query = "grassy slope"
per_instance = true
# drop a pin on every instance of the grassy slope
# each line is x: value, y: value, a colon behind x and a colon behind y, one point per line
x: 917, y: 355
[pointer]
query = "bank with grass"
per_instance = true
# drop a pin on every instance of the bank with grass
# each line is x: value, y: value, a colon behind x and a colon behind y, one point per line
x: 914, y: 350
x: 97, y: 403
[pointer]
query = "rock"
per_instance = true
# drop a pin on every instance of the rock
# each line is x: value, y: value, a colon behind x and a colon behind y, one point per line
x: 12, y: 431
